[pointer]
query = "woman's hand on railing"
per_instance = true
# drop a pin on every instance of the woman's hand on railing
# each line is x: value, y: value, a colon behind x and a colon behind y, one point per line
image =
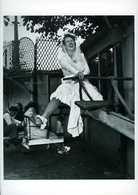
x: 80, y: 75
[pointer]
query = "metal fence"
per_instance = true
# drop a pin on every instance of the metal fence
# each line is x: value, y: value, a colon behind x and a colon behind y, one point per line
x: 44, y: 51
x: 47, y: 52
x: 26, y: 54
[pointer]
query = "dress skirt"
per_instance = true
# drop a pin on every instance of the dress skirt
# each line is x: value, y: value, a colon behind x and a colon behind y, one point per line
x: 68, y: 93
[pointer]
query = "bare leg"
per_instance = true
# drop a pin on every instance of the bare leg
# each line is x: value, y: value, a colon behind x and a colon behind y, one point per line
x: 51, y: 107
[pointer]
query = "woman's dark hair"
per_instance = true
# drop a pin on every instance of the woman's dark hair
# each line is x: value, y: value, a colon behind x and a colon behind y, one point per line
x: 68, y: 35
x: 19, y: 105
x: 30, y: 105
x: 13, y: 110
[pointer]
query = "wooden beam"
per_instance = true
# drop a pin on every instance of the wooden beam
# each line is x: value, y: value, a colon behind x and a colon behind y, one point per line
x: 45, y: 141
x: 117, y: 122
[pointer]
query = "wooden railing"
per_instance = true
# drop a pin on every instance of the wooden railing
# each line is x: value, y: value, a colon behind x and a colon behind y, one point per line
x: 92, y: 105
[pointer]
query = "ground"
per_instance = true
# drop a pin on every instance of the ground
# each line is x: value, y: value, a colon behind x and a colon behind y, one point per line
x: 40, y: 163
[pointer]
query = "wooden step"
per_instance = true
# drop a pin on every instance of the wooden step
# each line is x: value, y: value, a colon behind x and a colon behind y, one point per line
x: 53, y: 139
x: 45, y: 141
x: 92, y: 105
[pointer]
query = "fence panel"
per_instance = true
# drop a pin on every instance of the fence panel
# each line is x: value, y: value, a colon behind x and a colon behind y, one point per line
x: 47, y: 52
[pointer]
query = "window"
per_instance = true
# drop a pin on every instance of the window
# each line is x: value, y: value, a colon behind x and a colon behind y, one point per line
x: 108, y: 63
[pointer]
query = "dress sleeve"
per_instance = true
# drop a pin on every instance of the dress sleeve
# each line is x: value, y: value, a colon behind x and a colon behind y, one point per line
x: 67, y: 66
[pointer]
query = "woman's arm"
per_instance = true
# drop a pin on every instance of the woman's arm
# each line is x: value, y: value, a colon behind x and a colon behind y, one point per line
x: 68, y: 67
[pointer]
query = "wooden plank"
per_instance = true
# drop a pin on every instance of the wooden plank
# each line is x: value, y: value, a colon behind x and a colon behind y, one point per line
x: 115, y: 121
x: 122, y: 117
x: 45, y: 141
x: 92, y: 105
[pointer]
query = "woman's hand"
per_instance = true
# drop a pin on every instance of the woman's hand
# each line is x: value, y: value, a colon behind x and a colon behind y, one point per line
x: 80, y: 75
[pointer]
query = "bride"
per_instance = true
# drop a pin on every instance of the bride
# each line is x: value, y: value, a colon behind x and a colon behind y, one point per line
x: 73, y: 63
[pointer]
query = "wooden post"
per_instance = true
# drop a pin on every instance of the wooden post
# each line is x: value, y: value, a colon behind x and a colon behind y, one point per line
x: 34, y: 75
x: 99, y: 72
x: 49, y: 92
x: 123, y: 155
x: 115, y: 74
x: 48, y: 86
x: 5, y: 57
x: 16, y: 45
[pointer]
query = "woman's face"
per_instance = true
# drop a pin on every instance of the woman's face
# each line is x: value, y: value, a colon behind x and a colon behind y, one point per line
x: 70, y: 44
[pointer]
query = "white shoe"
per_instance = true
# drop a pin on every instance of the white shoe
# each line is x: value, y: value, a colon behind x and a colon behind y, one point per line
x: 67, y: 148
x: 25, y: 145
x: 47, y: 146
x: 44, y: 121
x: 63, y: 150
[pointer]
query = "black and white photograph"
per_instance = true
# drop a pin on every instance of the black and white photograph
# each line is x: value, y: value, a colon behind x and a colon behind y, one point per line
x: 68, y: 104
x: 68, y: 97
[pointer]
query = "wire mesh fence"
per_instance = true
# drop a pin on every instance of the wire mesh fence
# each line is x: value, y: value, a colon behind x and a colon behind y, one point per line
x: 44, y: 51
x: 26, y: 54
x: 47, y: 52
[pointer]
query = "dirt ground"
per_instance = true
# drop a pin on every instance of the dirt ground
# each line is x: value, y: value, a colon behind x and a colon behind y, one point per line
x: 40, y: 163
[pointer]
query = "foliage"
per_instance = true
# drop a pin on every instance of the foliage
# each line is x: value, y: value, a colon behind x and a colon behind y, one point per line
x: 83, y: 26
x: 6, y: 20
x: 49, y: 25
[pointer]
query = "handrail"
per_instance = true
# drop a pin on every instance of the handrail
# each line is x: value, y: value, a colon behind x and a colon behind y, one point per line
x: 111, y: 79
x: 100, y: 78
